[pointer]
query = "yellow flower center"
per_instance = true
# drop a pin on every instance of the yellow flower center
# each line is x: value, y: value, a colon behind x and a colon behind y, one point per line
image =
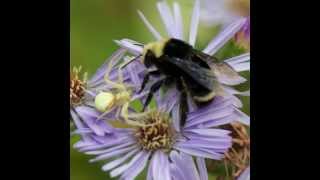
x: 157, y: 132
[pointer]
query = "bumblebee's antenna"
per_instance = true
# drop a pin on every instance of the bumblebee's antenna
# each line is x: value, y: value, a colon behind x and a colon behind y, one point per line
x: 130, y: 61
x: 141, y: 45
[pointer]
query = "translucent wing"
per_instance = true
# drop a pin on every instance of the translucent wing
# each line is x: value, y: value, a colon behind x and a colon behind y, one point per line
x: 222, y: 71
x: 203, y: 76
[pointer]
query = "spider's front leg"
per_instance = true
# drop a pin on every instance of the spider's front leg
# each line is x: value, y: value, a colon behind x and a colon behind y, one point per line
x: 113, y: 84
x: 125, y: 116
x: 105, y: 113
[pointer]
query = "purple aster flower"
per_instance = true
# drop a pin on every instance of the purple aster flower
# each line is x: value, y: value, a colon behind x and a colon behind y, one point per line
x: 162, y: 144
x: 174, y: 26
x: 83, y: 93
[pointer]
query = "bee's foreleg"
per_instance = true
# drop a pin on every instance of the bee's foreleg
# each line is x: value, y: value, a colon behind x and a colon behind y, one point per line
x: 154, y: 88
x: 147, y: 77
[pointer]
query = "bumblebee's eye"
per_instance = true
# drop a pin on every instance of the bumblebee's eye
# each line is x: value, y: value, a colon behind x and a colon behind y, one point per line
x: 104, y: 101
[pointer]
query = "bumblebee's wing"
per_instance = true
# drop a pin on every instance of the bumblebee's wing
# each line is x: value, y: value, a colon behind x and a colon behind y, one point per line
x: 223, y: 71
x: 203, y: 76
x: 226, y: 74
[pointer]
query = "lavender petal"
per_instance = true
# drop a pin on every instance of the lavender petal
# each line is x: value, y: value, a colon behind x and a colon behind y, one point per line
x: 117, y: 162
x: 224, y: 36
x: 154, y: 32
x: 201, y: 164
x: 194, y: 23
x: 102, y: 70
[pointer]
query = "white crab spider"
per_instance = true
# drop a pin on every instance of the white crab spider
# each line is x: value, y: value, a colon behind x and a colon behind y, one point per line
x: 106, y: 102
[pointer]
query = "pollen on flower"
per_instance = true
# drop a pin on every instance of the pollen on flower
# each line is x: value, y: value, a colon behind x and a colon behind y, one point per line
x: 157, y: 132
x: 77, y: 87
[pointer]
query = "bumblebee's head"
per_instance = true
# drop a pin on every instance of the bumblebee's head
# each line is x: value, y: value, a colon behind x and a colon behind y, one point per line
x: 155, y: 47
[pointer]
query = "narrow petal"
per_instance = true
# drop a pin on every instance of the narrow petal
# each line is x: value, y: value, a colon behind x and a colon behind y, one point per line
x: 185, y: 164
x: 131, y: 46
x: 116, y: 56
x: 160, y: 166
x: 133, y: 74
x: 236, y: 101
x: 243, y: 118
x: 89, y: 116
x: 245, y: 174
x: 200, y: 153
x: 222, y: 145
x: 211, y: 109
x: 81, y: 131
x: 117, y: 162
x: 169, y: 100
x: 176, y: 117
x: 150, y: 171
x: 218, y: 103
x: 76, y: 120
x: 112, y: 141
x: 120, y: 146
x: 123, y: 168
x: 154, y: 32
x: 201, y: 164
x: 233, y: 91
x: 112, y: 154
x: 84, y: 143
x: 176, y: 172
x: 238, y: 59
x: 136, y: 167
x: 241, y: 67
x: 211, y: 116
x: 221, y: 121
x: 224, y: 36
x: 194, y: 23
x: 210, y: 132
x: 178, y: 20
x: 167, y: 18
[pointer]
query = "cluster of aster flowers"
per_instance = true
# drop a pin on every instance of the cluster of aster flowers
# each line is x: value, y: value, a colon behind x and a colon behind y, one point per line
x: 112, y: 130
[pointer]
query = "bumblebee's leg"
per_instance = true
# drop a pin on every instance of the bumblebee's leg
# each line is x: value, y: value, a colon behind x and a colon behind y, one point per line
x: 183, y: 101
x: 144, y: 82
x: 146, y: 79
x: 154, y: 88
x: 183, y: 107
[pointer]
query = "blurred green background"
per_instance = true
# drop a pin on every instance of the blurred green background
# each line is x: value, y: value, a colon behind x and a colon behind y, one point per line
x: 94, y: 26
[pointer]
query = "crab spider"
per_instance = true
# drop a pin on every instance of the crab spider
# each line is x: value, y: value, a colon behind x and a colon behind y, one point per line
x: 120, y: 96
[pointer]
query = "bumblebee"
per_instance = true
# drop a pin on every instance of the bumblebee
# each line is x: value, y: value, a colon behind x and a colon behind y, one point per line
x: 194, y: 73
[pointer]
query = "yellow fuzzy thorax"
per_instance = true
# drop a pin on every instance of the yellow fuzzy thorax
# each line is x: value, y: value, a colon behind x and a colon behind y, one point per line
x: 155, y: 47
